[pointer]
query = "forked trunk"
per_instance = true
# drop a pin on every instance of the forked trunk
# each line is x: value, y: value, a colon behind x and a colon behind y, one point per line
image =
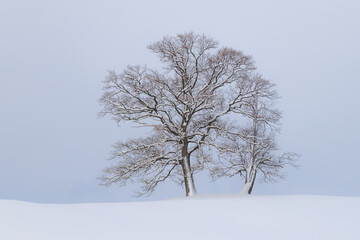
x: 249, y: 183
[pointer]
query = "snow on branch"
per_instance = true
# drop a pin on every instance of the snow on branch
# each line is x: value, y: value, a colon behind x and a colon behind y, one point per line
x: 186, y: 106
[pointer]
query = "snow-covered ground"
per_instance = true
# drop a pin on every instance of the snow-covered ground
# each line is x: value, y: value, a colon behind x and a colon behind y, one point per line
x: 202, y: 217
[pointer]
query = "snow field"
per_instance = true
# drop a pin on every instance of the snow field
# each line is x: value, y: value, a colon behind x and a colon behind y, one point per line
x: 200, y: 217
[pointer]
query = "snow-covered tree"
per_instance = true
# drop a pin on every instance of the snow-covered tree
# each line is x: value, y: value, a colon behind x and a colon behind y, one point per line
x: 248, y: 148
x: 184, y: 105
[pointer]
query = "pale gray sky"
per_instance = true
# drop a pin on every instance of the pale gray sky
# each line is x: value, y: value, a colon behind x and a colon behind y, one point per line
x: 55, y: 54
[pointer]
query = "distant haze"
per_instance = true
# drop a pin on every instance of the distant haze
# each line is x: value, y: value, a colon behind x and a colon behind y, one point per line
x: 55, y: 54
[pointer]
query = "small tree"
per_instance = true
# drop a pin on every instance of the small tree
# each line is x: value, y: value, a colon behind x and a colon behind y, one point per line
x: 183, y: 106
x: 250, y: 147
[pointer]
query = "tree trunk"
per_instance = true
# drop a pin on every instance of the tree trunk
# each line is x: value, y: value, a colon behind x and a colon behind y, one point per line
x: 188, y: 175
x: 188, y: 178
x: 252, y: 183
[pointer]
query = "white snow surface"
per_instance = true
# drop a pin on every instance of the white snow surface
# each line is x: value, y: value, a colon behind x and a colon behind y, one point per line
x: 200, y: 217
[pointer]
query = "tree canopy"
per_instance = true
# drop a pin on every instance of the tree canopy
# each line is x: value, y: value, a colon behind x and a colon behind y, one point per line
x: 187, y: 105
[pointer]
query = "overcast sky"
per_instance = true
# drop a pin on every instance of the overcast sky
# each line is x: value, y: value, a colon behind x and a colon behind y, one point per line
x: 54, y: 56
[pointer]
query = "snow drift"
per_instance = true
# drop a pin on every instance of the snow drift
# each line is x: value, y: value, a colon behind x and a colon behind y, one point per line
x: 202, y: 217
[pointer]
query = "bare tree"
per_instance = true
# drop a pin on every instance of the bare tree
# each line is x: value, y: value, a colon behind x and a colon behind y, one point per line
x: 250, y: 148
x: 183, y: 105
